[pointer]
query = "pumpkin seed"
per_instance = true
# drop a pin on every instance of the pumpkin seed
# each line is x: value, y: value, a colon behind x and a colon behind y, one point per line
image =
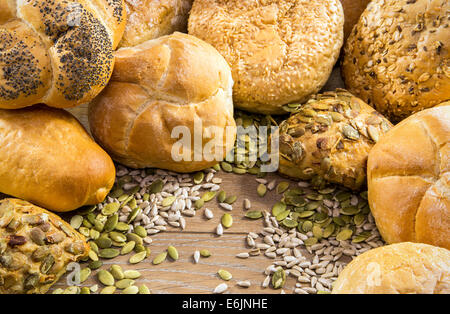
x: 105, y: 277
x: 108, y: 253
x: 95, y: 264
x: 205, y: 253
x: 224, y: 274
x: 76, y: 221
x: 208, y: 196
x: 282, y: 187
x: 143, y: 289
x: 161, y: 257
x: 124, y: 283
x: 110, y: 209
x: 344, y: 235
x: 137, y: 258
x: 226, y: 166
x: 134, y: 237
x: 261, y: 190
x: 85, y: 290
x: 329, y: 230
x: 283, y: 215
x: 231, y: 199
x: 317, y: 232
x: 199, y: 203
x: 111, y: 223
x: 306, y: 214
x: 289, y: 223
x: 254, y: 214
x: 121, y: 226
x: 127, y: 248
x: 168, y: 201
x: 133, y: 214
x: 278, y: 208
x: 84, y: 274
x: 131, y: 290
x: 278, y: 278
x: 117, y: 272
x: 92, y: 255
x: 221, y: 196
x: 108, y: 290
x: 307, y: 226
x: 118, y: 237
x: 350, y: 210
x: 156, y: 186
x: 173, y: 252
x: 131, y: 274
x: 310, y: 241
x: 140, y: 231
x: 227, y: 220
x: 198, y: 177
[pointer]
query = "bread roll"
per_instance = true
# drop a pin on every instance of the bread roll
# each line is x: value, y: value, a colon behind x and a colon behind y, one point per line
x: 397, y: 59
x: 35, y: 247
x: 409, y: 179
x: 50, y: 160
x: 352, y: 11
x: 329, y: 138
x: 402, y: 268
x: 279, y: 51
x: 149, y: 19
x: 57, y: 52
x: 169, y: 82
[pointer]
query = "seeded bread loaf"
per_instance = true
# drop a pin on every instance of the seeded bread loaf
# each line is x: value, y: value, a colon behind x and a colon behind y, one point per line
x: 49, y: 159
x: 149, y: 19
x: 57, y: 52
x: 352, y: 11
x: 35, y: 247
x: 279, y: 51
x: 409, y: 179
x: 402, y: 268
x: 397, y: 58
x: 166, y: 105
x: 329, y: 139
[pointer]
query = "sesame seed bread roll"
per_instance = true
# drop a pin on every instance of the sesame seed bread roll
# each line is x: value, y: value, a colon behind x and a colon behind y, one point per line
x: 397, y: 59
x: 172, y: 82
x: 57, y: 52
x: 403, y: 268
x: 49, y: 160
x: 149, y: 19
x: 409, y: 179
x: 280, y: 52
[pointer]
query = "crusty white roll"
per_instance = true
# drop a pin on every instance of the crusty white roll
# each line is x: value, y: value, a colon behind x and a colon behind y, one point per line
x: 280, y: 52
x: 57, y: 52
x: 149, y: 19
x: 49, y: 159
x: 165, y: 83
x: 409, y: 179
x: 402, y: 268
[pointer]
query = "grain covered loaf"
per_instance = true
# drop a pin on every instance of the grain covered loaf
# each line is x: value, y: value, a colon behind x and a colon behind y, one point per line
x: 49, y: 159
x: 35, y: 247
x: 329, y: 139
x: 397, y: 58
x: 279, y: 51
x: 409, y: 179
x: 149, y: 19
x: 402, y: 268
x: 57, y: 52
x: 174, y: 83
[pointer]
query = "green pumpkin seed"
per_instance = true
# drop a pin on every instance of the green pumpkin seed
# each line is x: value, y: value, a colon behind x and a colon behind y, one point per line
x: 261, y: 190
x: 76, y: 221
x: 132, y: 274
x: 139, y: 248
x: 156, y: 187
x: 161, y: 257
x: 92, y: 255
x: 122, y: 227
x: 137, y: 258
x: 143, y: 289
x: 278, y: 208
x: 124, y: 283
x: 94, y: 234
x: 224, y: 274
x: 289, y: 223
x: 339, y: 221
x: 208, y: 196
x: 350, y: 132
x: 168, y: 201
x: 310, y: 241
x: 226, y: 166
x: 278, y: 278
x: 173, y: 252
x: 95, y: 265
x: 254, y: 214
x: 317, y: 232
x: 306, y: 214
x: 110, y: 209
x: 227, y: 220
x: 221, y: 196
x: 140, y: 231
x: 108, y: 290
x: 329, y: 230
x: 103, y: 242
x: 307, y: 226
x: 344, y: 235
x: 230, y: 199
x: 199, y: 203
x: 359, y: 219
x: 134, y: 237
x: 133, y: 214
x: 117, y: 272
x: 127, y: 248
x: 111, y: 223
x: 85, y: 290
x: 198, y: 177
x: 283, y: 215
x: 282, y: 187
x: 131, y: 290
x: 118, y: 237
x: 350, y: 210
x: 205, y: 253
x: 108, y: 253
x: 105, y: 277
x: 237, y: 170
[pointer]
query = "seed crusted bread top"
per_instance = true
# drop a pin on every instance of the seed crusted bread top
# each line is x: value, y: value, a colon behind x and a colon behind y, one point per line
x: 58, y: 52
x: 279, y: 51
x: 35, y: 247
x: 397, y: 58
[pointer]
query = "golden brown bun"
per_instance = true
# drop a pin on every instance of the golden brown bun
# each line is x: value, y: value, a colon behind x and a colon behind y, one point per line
x: 57, y: 52
x: 352, y: 11
x: 329, y: 139
x: 279, y: 52
x: 402, y: 268
x: 149, y: 19
x: 35, y: 247
x: 49, y: 159
x: 397, y: 58
x: 157, y: 86
x: 409, y: 179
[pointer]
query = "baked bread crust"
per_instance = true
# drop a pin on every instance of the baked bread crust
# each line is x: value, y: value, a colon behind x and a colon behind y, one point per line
x: 329, y: 139
x: 352, y: 11
x: 149, y: 19
x: 50, y: 160
x: 397, y: 58
x: 279, y: 51
x: 409, y: 179
x: 402, y: 268
x: 35, y: 247
x: 57, y: 52
x: 159, y: 85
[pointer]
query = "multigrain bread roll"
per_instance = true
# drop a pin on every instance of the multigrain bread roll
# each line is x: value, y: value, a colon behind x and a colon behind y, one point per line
x: 352, y: 11
x: 57, y: 52
x: 329, y: 139
x: 49, y: 159
x: 35, y: 247
x: 402, y: 268
x: 409, y: 179
x: 279, y: 51
x: 163, y: 86
x: 150, y: 19
x: 397, y: 58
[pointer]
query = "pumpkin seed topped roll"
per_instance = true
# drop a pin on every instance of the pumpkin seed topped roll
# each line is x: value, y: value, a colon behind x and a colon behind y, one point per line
x: 329, y: 139
x: 35, y: 247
